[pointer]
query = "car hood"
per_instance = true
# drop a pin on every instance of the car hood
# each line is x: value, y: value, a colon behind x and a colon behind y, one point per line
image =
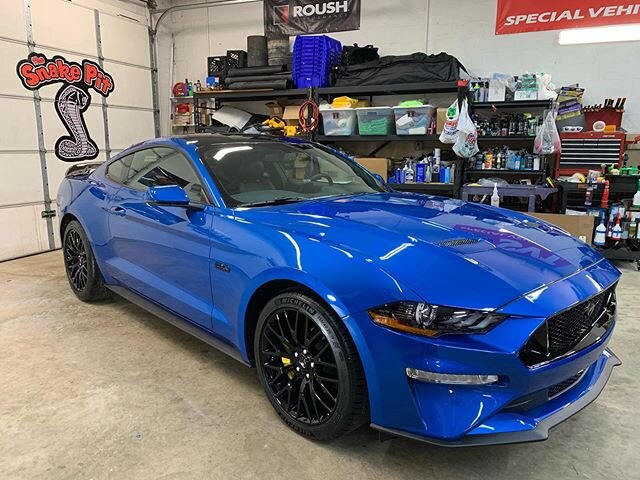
x: 447, y: 251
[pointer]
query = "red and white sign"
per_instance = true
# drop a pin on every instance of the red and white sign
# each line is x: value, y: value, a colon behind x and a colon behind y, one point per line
x: 518, y: 16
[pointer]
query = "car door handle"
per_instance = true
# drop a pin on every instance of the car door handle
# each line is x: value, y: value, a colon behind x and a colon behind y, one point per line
x: 117, y: 210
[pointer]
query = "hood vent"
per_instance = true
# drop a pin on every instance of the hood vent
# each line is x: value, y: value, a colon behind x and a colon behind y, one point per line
x: 457, y: 242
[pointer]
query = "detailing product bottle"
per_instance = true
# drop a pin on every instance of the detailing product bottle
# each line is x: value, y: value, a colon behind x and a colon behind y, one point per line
x: 536, y: 164
x: 588, y: 196
x: 421, y: 168
x: 616, y: 232
x: 605, y: 196
x: 600, y: 237
x: 495, y: 198
x: 636, y: 197
x: 409, y: 174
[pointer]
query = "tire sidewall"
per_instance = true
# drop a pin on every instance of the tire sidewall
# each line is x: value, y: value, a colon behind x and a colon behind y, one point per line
x: 325, y: 322
x: 92, y: 272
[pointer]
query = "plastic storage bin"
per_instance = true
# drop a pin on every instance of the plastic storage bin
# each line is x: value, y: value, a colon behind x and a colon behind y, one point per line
x: 375, y: 120
x: 339, y: 121
x: 313, y: 57
x: 413, y: 120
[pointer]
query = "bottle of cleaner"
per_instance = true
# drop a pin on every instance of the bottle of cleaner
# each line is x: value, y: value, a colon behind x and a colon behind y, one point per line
x: 616, y: 232
x: 636, y: 197
x: 421, y: 168
x: 600, y: 237
x: 495, y: 198
x: 409, y: 175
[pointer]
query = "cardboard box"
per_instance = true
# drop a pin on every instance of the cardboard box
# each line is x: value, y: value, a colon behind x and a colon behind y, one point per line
x: 441, y: 118
x: 580, y: 226
x: 375, y: 165
x: 291, y: 115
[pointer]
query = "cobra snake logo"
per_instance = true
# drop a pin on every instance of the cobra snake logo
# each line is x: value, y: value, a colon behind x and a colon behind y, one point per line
x: 71, y: 102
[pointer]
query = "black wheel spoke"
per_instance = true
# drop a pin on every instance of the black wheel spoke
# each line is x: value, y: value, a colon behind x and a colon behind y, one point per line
x: 297, y: 360
x: 76, y: 260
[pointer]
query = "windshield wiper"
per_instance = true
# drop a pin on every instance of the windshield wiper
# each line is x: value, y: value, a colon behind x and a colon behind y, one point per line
x: 276, y: 201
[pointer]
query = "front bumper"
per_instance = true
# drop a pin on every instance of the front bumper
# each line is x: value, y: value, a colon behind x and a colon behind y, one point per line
x: 532, y: 428
x: 459, y: 415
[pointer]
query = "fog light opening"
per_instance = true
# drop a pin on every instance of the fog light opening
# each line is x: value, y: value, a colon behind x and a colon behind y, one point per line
x: 450, y: 378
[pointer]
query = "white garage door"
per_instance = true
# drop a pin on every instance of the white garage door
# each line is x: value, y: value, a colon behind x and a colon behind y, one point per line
x: 114, y: 37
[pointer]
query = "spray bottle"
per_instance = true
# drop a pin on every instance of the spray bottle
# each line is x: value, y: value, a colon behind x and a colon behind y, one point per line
x: 495, y: 198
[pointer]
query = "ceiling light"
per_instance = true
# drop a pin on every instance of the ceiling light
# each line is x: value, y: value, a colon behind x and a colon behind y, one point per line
x: 618, y: 33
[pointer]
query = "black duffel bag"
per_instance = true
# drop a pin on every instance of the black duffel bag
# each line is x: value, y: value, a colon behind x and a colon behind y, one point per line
x: 414, y: 68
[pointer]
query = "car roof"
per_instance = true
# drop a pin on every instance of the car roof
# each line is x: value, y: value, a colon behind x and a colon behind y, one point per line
x: 220, y: 138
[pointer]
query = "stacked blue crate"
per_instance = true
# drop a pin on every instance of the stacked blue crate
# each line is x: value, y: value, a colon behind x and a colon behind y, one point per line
x: 313, y: 57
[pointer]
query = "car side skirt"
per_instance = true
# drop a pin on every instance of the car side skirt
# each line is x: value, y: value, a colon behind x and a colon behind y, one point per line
x: 178, y: 322
x: 541, y: 432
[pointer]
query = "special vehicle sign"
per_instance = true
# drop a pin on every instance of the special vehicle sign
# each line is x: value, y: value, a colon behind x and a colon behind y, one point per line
x: 515, y: 16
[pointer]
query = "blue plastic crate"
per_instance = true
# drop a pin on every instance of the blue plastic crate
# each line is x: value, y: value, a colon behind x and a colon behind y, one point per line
x: 313, y: 57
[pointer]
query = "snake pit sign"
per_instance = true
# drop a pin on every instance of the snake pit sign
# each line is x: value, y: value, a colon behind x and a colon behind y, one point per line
x: 72, y: 99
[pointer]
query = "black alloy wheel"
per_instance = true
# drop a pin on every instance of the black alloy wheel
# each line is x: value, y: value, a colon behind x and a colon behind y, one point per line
x: 309, y: 368
x: 82, y: 270
x: 75, y: 258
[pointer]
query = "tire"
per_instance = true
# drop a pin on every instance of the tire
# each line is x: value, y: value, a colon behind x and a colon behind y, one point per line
x: 80, y: 265
x: 309, y: 368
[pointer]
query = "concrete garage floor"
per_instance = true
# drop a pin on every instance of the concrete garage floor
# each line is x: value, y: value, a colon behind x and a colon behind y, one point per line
x: 110, y: 391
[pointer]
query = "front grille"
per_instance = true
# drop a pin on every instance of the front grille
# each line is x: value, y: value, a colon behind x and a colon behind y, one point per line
x: 558, y: 388
x: 562, y: 332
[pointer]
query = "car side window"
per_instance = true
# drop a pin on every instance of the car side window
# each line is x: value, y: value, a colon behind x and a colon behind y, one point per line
x: 164, y: 166
x: 119, y: 169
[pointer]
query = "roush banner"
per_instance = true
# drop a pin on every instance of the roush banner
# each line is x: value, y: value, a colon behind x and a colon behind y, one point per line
x: 517, y: 16
x: 299, y: 17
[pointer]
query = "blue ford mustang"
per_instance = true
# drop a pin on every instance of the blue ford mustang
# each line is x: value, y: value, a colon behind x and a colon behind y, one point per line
x: 440, y: 320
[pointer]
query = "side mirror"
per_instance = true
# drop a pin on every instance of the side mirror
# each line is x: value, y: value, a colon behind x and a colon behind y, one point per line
x: 379, y: 178
x: 168, y: 195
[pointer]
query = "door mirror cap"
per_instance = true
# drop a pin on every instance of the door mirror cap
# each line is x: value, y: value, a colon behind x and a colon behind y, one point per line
x: 379, y: 178
x: 168, y: 195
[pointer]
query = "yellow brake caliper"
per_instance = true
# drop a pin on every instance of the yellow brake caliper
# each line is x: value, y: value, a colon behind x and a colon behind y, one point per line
x: 286, y: 362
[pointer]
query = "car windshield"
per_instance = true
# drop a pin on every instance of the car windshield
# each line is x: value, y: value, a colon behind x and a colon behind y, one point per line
x: 268, y: 173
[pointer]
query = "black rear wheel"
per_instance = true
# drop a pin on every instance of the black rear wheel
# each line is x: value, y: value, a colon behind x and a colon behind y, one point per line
x: 309, y: 367
x: 83, y: 274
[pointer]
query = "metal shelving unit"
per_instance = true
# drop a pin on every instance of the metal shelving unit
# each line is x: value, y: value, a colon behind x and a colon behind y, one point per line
x: 377, y: 138
x: 512, y: 104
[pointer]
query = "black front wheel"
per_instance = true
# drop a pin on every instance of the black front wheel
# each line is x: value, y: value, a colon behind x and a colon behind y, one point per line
x: 309, y: 367
x: 80, y: 264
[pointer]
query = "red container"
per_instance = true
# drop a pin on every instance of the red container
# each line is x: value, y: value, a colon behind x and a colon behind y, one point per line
x: 609, y: 115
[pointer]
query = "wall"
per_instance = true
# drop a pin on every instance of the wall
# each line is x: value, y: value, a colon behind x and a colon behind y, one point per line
x: 464, y: 28
x: 604, y: 70
x: 34, y: 172
x: 204, y: 32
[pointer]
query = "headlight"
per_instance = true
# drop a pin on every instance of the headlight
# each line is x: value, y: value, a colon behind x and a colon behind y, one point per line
x: 433, y: 320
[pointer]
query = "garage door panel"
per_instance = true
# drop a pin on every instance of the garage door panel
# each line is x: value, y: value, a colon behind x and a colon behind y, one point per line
x: 61, y: 24
x: 12, y: 24
x: 133, y: 86
x: 49, y: 91
x: 18, y: 113
x: 11, y: 54
x: 127, y: 127
x: 124, y: 40
x: 23, y: 231
x: 54, y: 129
x: 22, y: 182
x: 56, y: 169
